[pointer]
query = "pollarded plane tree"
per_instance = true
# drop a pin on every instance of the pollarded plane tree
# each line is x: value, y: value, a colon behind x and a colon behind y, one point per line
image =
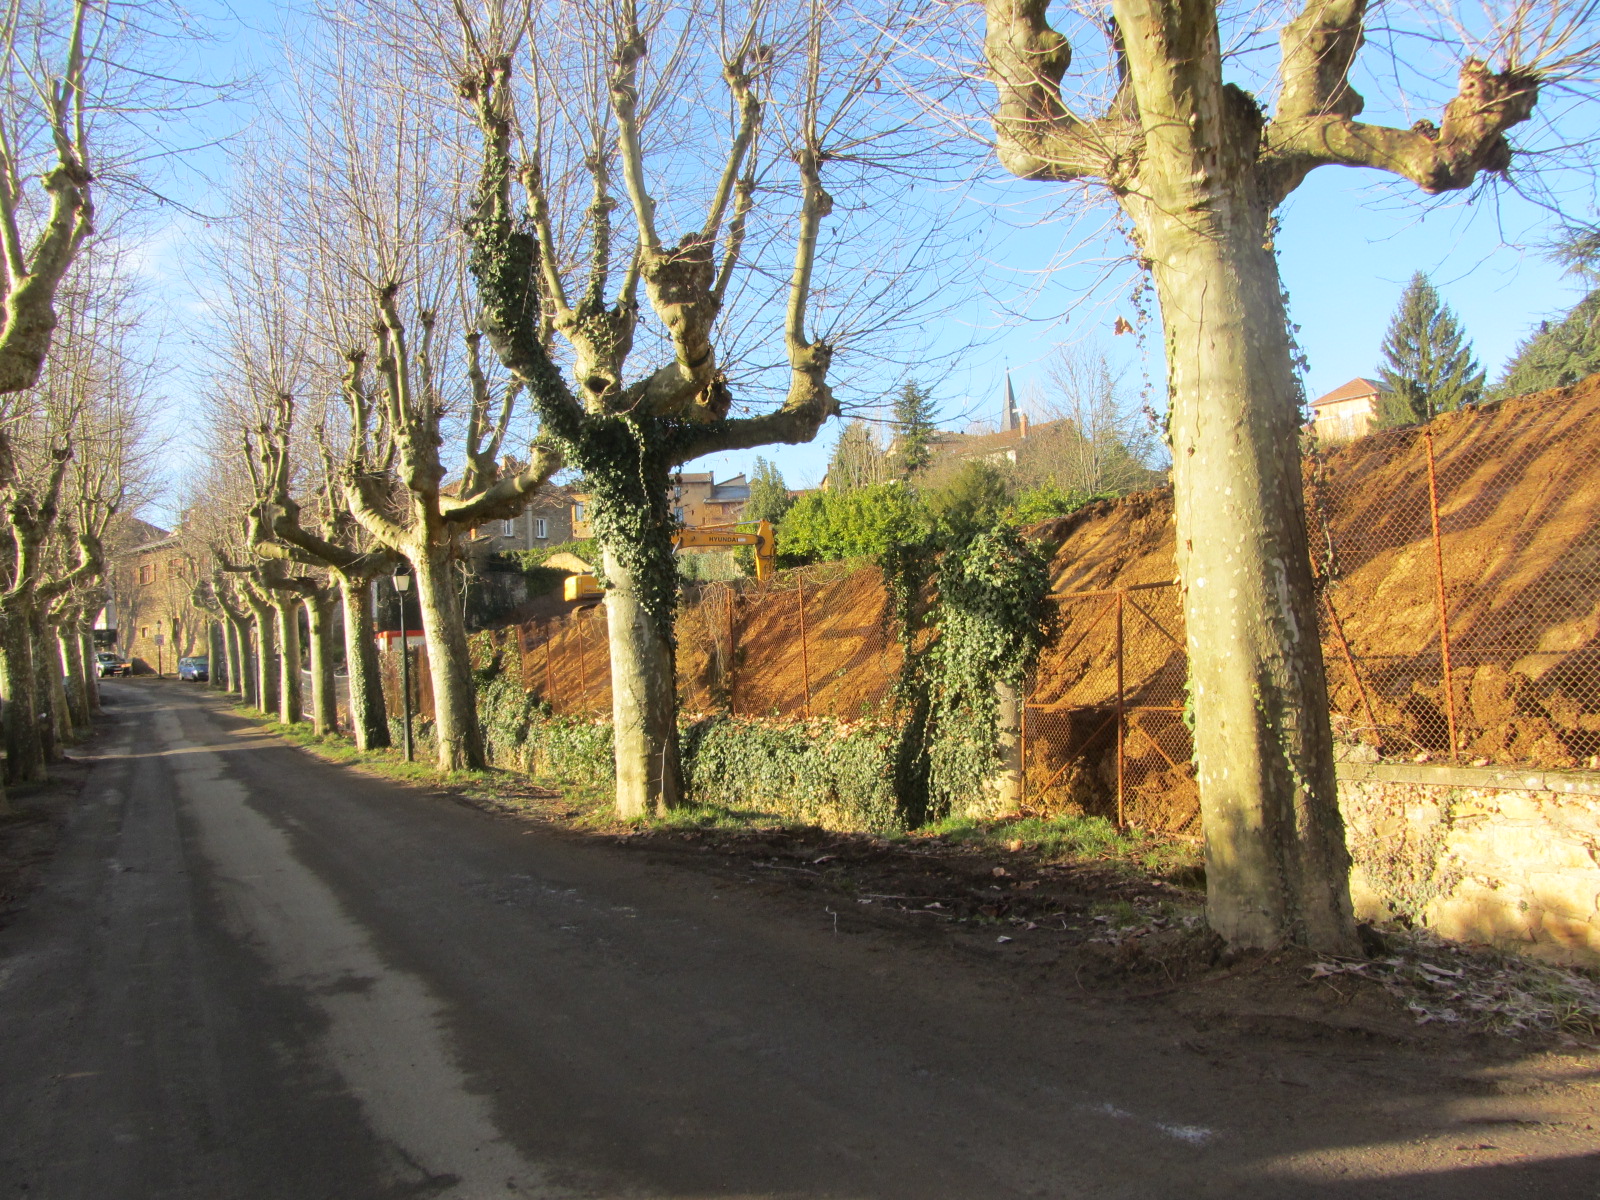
x: 331, y: 541
x: 373, y: 208
x: 111, y: 472
x: 1198, y: 166
x: 67, y: 460
x: 718, y: 124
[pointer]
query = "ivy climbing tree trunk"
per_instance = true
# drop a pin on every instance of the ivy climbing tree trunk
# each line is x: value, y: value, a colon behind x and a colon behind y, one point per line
x: 1199, y: 169
x: 643, y: 700
x: 626, y: 436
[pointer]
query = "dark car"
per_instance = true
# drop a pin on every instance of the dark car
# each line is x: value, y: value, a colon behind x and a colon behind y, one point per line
x: 196, y: 669
x: 107, y: 663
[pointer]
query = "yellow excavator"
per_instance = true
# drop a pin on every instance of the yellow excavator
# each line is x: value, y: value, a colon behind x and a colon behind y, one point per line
x: 703, y: 537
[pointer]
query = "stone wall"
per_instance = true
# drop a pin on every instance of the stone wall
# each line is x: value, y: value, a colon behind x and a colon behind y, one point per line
x: 1479, y: 854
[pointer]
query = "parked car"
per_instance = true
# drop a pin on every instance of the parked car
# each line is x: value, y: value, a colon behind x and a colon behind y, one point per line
x: 194, y: 669
x: 107, y: 663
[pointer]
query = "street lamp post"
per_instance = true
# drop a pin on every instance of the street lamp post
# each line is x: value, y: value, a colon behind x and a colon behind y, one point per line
x: 159, y: 641
x: 402, y: 587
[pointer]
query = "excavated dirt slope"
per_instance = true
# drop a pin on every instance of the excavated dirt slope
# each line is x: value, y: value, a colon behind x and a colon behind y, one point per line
x: 1519, y: 554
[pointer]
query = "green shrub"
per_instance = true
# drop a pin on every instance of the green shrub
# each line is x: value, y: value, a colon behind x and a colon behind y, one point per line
x: 861, y: 522
x: 585, y: 548
x: 831, y: 773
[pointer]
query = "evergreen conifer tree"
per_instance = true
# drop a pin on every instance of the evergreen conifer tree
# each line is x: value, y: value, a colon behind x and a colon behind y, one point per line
x: 769, y: 495
x: 1428, y: 366
x: 858, y: 460
x: 914, y: 416
x: 1562, y: 352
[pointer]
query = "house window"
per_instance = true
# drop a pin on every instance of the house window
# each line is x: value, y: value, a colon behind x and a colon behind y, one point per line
x: 147, y: 573
x: 677, y: 514
x: 508, y: 528
x: 541, y: 527
x: 577, y: 511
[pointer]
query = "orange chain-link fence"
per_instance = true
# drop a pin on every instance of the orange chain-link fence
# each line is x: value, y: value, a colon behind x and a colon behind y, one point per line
x: 1458, y: 572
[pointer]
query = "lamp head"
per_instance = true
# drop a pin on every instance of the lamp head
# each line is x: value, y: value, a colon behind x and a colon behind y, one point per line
x: 402, y: 580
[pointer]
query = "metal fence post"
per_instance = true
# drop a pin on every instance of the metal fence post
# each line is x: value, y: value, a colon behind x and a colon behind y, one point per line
x: 733, y: 707
x: 1438, y: 575
x: 549, y: 668
x: 805, y: 658
x: 583, y: 666
x: 1350, y: 661
x: 1121, y: 711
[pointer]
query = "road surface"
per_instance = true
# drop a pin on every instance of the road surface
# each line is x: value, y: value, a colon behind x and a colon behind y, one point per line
x: 249, y: 974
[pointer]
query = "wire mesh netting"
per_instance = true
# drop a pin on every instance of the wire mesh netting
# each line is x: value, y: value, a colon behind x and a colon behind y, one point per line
x: 813, y: 643
x: 1103, y: 716
x: 1460, y: 565
x: 1458, y: 572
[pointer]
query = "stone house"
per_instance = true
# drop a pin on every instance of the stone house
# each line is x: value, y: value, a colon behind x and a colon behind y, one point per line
x: 696, y: 497
x: 1348, y: 412
x: 150, y: 616
x: 547, y: 521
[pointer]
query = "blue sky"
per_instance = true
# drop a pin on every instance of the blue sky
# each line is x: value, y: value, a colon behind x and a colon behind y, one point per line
x: 1348, y: 246
x: 1350, y: 240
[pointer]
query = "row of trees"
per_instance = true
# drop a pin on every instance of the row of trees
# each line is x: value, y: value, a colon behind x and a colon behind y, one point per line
x: 570, y: 144
x: 77, y: 82
x: 471, y: 241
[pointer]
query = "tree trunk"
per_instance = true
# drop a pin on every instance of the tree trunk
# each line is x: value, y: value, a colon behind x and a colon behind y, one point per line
x: 217, y: 676
x: 644, y: 718
x: 239, y: 659
x: 24, y: 754
x: 455, y: 712
x: 369, y: 723
x: 77, y: 683
x: 1004, y: 789
x: 1276, y: 863
x: 266, y: 689
x: 324, y: 700
x: 289, y: 687
x: 48, y: 694
x: 91, y: 674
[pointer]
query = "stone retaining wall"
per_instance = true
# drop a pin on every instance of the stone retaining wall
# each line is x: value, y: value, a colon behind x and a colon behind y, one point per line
x: 1479, y: 854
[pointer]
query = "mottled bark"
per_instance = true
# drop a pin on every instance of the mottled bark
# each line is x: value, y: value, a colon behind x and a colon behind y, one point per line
x: 455, y: 713
x: 1198, y: 168
x: 48, y: 691
x: 643, y: 701
x: 1005, y: 787
x: 265, y: 695
x: 91, y: 674
x: 25, y: 762
x: 290, y: 702
x: 70, y: 646
x: 369, y: 723
x: 324, y: 700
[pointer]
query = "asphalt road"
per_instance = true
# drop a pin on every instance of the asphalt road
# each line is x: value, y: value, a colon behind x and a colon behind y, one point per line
x: 250, y: 974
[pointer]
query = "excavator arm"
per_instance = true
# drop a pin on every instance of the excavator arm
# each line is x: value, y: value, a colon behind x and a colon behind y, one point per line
x: 705, y: 537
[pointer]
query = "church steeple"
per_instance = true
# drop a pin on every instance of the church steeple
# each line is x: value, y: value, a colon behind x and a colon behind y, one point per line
x: 1008, y: 415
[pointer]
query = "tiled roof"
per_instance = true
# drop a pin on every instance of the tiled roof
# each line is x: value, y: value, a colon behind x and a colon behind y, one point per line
x: 1354, y: 390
